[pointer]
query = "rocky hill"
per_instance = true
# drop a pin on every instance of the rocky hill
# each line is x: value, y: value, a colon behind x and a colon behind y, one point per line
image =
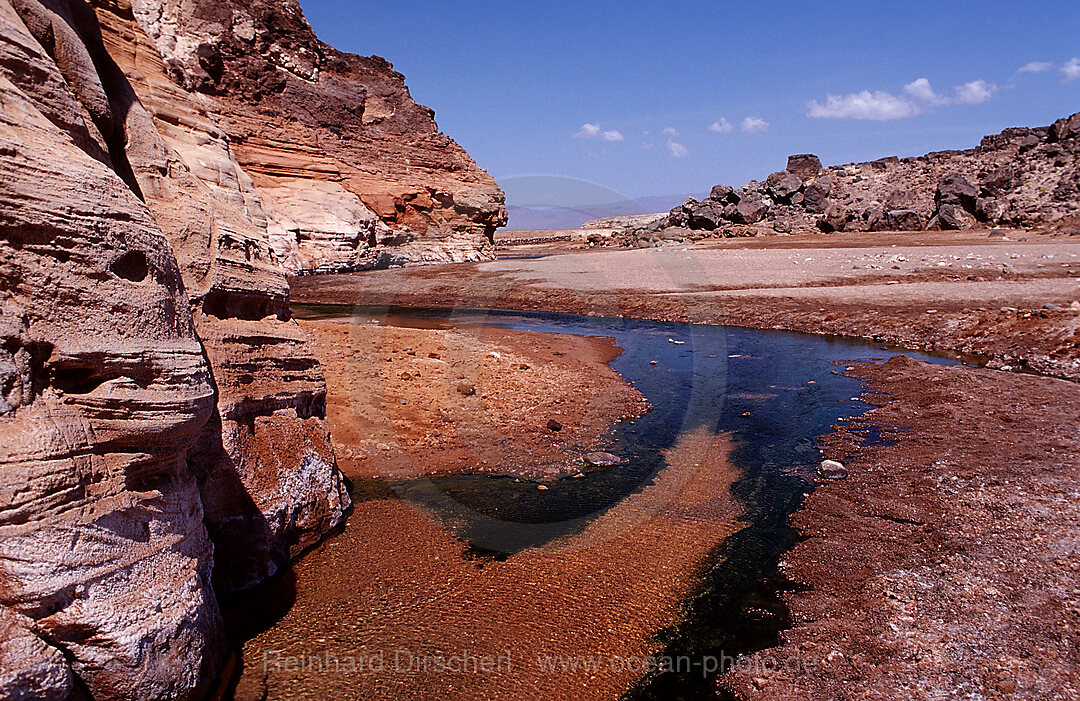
x: 343, y: 169
x: 1020, y: 178
x: 163, y: 434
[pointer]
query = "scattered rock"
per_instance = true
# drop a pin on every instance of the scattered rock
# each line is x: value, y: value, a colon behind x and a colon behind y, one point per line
x: 751, y: 210
x: 955, y: 217
x: 466, y: 389
x: 816, y: 196
x: 601, y: 459
x: 955, y: 189
x: 1066, y: 128
x: 904, y: 220
x: 832, y: 470
x: 553, y: 425
x: 783, y: 184
x: 706, y: 215
x: 999, y: 181
x: 725, y: 194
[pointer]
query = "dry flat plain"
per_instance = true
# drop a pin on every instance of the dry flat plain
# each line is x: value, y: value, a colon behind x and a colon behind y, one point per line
x: 947, y: 564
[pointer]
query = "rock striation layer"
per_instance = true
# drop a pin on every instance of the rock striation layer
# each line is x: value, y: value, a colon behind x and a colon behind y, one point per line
x: 264, y: 461
x: 1022, y: 178
x: 352, y: 173
x: 105, y: 563
x: 163, y: 433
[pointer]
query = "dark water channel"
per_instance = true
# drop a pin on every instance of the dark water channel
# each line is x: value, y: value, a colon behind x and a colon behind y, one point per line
x: 772, y: 392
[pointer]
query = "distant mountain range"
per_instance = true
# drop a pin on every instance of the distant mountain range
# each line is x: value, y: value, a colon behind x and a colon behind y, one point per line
x: 552, y: 217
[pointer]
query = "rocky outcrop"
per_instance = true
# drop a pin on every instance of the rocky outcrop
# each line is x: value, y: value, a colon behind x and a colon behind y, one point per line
x: 315, y: 126
x: 105, y: 563
x: 162, y: 420
x: 264, y: 462
x: 1020, y: 178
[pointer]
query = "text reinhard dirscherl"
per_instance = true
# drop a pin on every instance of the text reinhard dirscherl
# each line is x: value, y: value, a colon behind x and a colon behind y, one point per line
x: 325, y: 662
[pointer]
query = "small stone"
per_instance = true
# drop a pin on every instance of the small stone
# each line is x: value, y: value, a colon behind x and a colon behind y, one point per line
x: 1075, y: 306
x: 554, y: 425
x: 603, y: 459
x: 832, y: 470
x: 542, y: 487
x: 1051, y: 307
x: 466, y: 389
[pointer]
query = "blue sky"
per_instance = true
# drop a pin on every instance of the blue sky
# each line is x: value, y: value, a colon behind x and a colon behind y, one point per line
x: 623, y: 94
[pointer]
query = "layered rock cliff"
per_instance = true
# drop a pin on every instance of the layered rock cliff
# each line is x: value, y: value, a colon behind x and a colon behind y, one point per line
x: 105, y: 563
x: 162, y: 420
x: 1019, y: 178
x: 350, y: 171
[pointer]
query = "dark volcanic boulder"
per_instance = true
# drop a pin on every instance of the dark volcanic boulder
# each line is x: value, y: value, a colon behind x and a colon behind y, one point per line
x: 804, y: 165
x: 835, y: 219
x: 953, y: 216
x: 782, y: 185
x: 751, y: 210
x: 707, y: 215
x: 989, y: 209
x: 999, y: 180
x: 678, y: 217
x: 1067, y: 128
x: 904, y: 220
x: 955, y: 189
x: 724, y: 193
x: 816, y: 196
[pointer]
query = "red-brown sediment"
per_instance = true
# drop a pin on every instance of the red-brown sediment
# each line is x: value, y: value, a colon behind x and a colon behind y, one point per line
x: 944, y: 565
x: 409, y: 402
x: 396, y: 581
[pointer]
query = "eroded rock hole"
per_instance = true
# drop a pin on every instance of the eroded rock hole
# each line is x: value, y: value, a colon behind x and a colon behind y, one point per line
x: 131, y: 266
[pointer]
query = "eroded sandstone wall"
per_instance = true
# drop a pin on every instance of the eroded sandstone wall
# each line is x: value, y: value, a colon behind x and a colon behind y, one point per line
x: 105, y: 563
x: 352, y: 172
x: 162, y: 420
x: 267, y: 470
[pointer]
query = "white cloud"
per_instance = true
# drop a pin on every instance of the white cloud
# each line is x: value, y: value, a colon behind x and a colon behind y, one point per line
x: 921, y: 89
x: 670, y: 131
x: 1071, y: 69
x: 676, y: 149
x: 879, y: 105
x: 593, y: 131
x: 721, y: 126
x: 975, y: 93
x: 1036, y: 67
x: 754, y: 125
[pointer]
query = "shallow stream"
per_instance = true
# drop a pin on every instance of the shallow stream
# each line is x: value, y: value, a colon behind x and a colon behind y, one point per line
x: 772, y: 393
